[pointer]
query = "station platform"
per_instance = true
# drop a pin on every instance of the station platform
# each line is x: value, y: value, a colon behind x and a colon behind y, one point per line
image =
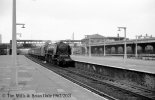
x: 145, y: 66
x: 35, y: 82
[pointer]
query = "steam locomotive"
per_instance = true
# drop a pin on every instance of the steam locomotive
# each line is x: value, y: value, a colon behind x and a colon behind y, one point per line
x: 55, y: 53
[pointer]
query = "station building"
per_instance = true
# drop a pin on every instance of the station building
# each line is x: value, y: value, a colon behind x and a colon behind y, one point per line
x: 97, y: 38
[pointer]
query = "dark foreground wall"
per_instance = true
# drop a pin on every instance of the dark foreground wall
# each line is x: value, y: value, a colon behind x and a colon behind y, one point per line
x: 141, y: 79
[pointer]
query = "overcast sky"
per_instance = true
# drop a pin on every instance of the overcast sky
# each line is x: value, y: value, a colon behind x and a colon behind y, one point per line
x: 58, y: 19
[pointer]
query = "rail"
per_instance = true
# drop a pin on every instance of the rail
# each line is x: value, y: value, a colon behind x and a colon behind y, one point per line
x: 70, y: 72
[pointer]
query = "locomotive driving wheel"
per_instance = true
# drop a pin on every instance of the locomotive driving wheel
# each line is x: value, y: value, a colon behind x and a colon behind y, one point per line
x: 59, y: 63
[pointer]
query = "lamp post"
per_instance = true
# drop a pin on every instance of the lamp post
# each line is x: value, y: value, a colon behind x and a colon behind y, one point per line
x: 136, y: 44
x: 14, y: 45
x: 125, y: 51
x: 136, y: 47
x: 89, y: 46
x: 104, y: 47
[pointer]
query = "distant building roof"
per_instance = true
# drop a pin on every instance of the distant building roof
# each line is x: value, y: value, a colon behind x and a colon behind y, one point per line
x: 94, y: 36
x: 98, y: 36
x: 115, y: 37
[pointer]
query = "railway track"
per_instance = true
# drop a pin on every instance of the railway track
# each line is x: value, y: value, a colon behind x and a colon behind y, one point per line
x: 141, y: 91
x: 94, y: 82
